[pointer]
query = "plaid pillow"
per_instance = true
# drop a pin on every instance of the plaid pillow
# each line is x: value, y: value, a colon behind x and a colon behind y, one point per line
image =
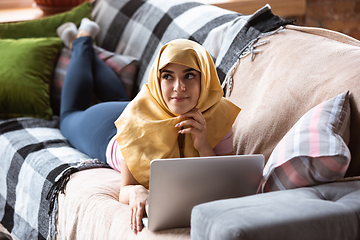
x: 314, y: 150
x: 126, y: 68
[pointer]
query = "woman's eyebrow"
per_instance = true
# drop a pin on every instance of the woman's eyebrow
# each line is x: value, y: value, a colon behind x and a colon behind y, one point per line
x: 184, y: 71
x: 167, y: 71
x: 189, y: 70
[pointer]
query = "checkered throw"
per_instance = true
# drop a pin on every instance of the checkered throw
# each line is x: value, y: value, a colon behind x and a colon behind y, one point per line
x: 33, y: 152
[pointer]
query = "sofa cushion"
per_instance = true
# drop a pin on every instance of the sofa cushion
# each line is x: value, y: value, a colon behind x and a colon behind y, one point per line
x: 328, y: 211
x: 26, y: 67
x: 298, y: 69
x: 45, y: 27
x: 315, y: 149
x: 125, y: 67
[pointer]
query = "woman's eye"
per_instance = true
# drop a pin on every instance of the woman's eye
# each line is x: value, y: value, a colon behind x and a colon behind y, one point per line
x: 190, y: 76
x: 166, y: 76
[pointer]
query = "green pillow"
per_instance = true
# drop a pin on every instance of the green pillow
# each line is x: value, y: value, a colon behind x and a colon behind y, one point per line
x: 26, y: 67
x: 45, y: 27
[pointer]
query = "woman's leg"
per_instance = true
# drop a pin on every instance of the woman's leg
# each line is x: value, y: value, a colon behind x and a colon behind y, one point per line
x: 107, y: 85
x: 90, y: 129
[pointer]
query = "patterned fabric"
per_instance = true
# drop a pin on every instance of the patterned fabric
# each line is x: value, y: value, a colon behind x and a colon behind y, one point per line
x: 125, y: 67
x: 315, y: 149
x: 225, y: 34
x: 33, y: 153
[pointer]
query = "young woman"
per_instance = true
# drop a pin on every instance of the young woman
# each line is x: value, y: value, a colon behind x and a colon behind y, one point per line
x: 179, y: 113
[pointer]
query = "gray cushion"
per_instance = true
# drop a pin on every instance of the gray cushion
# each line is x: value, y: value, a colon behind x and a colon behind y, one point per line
x: 329, y: 211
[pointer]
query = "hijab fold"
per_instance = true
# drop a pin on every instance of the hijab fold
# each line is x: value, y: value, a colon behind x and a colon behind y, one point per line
x: 146, y: 129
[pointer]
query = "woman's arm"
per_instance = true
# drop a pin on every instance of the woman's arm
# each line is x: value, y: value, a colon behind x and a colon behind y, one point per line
x: 225, y: 146
x: 135, y: 195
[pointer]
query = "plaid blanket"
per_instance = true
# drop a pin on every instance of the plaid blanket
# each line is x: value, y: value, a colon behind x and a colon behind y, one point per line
x: 33, y: 153
x: 139, y: 28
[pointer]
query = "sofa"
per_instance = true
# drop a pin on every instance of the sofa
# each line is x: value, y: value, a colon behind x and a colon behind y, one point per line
x: 281, y: 75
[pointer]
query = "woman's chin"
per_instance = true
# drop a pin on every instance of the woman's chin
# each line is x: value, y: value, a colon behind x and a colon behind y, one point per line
x: 179, y: 110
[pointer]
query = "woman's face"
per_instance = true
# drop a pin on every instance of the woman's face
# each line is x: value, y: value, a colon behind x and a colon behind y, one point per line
x: 180, y: 87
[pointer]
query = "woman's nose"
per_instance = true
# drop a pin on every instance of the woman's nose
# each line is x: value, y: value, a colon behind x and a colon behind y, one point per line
x: 179, y: 86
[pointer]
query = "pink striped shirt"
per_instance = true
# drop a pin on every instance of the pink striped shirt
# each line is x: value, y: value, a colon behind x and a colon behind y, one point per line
x: 114, y: 155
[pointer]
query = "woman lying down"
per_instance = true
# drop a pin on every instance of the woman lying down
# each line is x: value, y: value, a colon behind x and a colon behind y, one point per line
x: 183, y: 98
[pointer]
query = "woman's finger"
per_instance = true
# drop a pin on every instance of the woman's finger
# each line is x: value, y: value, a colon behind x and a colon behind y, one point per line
x: 147, y: 207
x: 189, y: 130
x: 194, y: 113
x: 131, y: 218
x: 134, y: 223
x: 200, y: 117
x: 139, y: 215
x: 192, y: 124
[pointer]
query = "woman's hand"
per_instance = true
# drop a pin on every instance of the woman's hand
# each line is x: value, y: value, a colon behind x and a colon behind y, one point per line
x: 139, y: 205
x: 196, y: 126
x: 135, y: 195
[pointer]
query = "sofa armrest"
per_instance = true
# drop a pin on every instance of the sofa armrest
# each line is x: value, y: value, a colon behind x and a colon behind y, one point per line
x: 329, y: 211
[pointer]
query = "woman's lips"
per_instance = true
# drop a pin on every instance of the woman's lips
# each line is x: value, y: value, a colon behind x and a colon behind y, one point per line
x: 179, y: 99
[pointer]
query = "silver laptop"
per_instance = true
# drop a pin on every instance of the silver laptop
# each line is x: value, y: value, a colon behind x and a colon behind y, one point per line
x: 178, y: 184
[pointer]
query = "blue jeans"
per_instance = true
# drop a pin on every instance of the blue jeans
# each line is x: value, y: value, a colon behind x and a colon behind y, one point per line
x: 90, y: 128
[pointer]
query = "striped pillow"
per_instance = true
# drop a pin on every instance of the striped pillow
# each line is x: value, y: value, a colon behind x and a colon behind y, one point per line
x: 125, y: 67
x: 314, y: 150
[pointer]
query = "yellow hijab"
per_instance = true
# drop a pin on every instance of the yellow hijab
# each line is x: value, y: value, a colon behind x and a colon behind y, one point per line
x: 146, y: 129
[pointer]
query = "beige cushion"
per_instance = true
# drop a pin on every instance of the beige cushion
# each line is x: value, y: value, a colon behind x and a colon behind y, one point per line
x: 298, y: 69
x: 91, y: 202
